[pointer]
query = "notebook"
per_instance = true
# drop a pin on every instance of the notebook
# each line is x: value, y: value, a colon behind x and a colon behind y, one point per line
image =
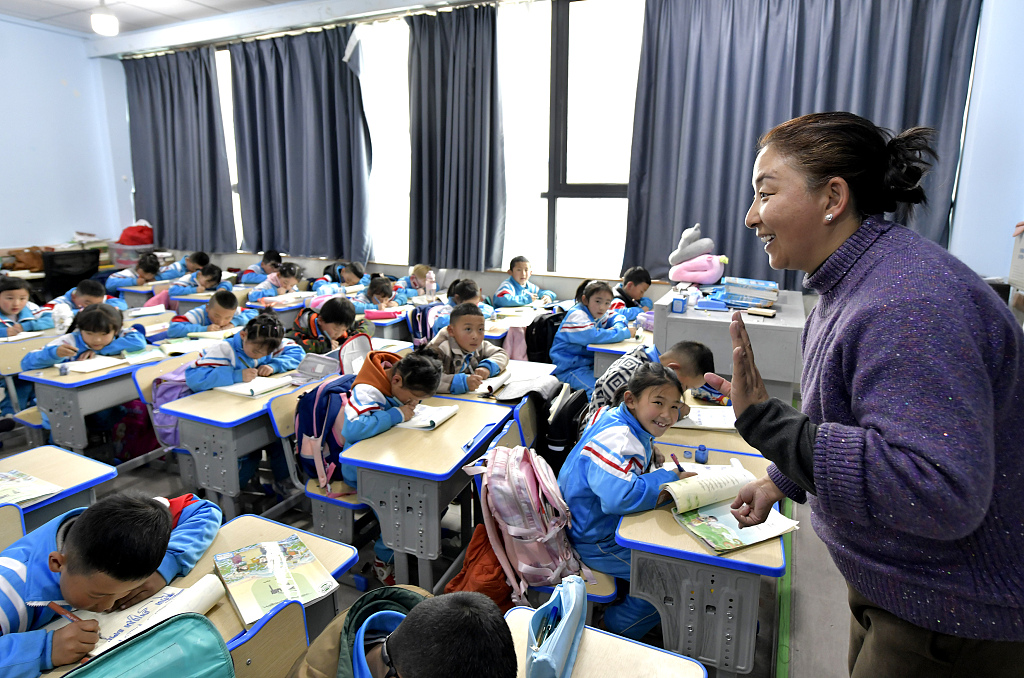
x: 183, y: 346
x: 255, y: 388
x: 219, y: 334
x: 719, y: 418
x: 260, y: 576
x: 490, y: 385
x: 22, y: 489
x: 117, y: 627
x: 428, y: 418
x: 146, y: 310
x: 101, y: 362
x: 21, y: 335
x: 145, y: 355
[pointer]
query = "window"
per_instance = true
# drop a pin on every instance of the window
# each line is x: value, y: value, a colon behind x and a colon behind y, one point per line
x: 222, y: 62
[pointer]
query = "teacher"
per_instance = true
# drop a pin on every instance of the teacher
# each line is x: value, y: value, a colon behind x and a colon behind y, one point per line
x: 910, y: 443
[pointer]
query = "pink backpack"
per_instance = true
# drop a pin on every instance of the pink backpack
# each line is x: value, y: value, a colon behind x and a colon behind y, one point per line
x: 526, y: 516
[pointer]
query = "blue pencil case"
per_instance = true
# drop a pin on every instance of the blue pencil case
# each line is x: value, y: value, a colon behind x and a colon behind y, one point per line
x: 556, y: 655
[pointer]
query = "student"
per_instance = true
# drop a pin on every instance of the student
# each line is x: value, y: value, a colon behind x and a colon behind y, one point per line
x: 17, y: 313
x: 385, y: 393
x: 187, y: 264
x: 379, y: 294
x: 284, y: 281
x: 208, y: 278
x: 337, y: 277
x: 415, y: 283
x: 403, y: 631
x: 462, y: 291
x: 689, y: 360
x: 517, y: 290
x: 588, y: 322
x: 259, y: 271
x: 143, y: 272
x: 87, y: 293
x: 609, y: 474
x: 322, y: 331
x: 354, y: 274
x: 259, y: 350
x: 113, y: 554
x: 467, y: 357
x: 629, y: 299
x: 220, y: 313
x: 96, y: 330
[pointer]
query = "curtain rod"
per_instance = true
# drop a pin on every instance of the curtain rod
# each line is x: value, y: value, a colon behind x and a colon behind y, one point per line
x: 360, y: 19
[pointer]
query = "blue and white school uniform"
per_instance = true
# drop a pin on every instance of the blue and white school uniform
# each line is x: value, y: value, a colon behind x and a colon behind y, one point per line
x: 68, y: 301
x: 574, y: 362
x: 32, y: 318
x: 363, y: 304
x: 222, y: 364
x: 187, y: 284
x: 174, y: 271
x: 123, y: 278
x: 27, y: 584
x: 511, y: 293
x: 128, y: 339
x: 626, y: 306
x: 253, y: 275
x: 444, y: 312
x: 608, y: 475
x: 325, y: 285
x: 197, y: 320
x: 268, y: 288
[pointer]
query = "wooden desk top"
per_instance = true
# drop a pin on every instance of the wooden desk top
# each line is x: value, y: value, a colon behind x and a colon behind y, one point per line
x: 605, y: 655
x: 224, y: 409
x: 56, y: 465
x: 52, y: 376
x: 657, y: 531
x: 11, y: 352
x: 436, y: 454
x: 246, y: 530
x: 714, y: 440
x: 149, y: 288
x: 624, y: 346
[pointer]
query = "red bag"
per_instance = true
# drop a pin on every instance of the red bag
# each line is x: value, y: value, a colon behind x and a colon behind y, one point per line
x: 482, y: 572
x: 140, y: 233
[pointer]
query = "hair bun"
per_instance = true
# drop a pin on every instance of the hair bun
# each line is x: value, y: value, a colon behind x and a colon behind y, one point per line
x: 906, y: 167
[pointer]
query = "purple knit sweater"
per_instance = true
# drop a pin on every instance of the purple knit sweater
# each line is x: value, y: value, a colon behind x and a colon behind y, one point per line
x: 914, y: 370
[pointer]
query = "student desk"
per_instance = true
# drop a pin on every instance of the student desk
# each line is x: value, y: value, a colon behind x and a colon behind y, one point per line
x: 521, y: 370
x: 393, y: 345
x: 286, y: 313
x: 606, y: 354
x: 11, y: 353
x: 409, y: 477
x: 189, y: 301
x: 78, y: 475
x: 393, y: 328
x: 137, y: 295
x: 776, y: 341
x: 728, y: 441
x: 67, y: 399
x: 708, y: 603
x: 605, y: 655
x: 220, y: 428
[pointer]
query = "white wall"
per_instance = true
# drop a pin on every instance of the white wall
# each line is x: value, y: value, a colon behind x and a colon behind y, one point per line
x: 57, y: 152
x: 990, y: 197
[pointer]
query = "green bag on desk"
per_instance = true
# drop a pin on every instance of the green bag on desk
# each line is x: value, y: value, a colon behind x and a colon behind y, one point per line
x: 184, y: 646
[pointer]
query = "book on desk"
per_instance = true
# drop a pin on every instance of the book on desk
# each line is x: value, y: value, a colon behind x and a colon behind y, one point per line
x: 17, y: 487
x: 255, y: 388
x: 428, y: 418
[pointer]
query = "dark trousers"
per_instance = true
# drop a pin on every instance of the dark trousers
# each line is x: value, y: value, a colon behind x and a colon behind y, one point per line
x: 884, y: 646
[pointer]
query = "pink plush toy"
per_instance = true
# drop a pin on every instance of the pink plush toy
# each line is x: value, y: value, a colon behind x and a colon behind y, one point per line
x: 703, y: 270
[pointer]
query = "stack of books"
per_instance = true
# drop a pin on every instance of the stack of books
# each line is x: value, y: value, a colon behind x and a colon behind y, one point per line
x: 748, y: 292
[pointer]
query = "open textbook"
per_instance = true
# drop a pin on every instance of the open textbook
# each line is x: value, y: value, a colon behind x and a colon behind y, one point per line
x: 702, y: 506
x: 428, y: 418
x: 260, y: 576
x: 256, y: 387
x: 117, y: 627
x: 219, y: 334
x: 714, y: 418
x: 22, y: 489
x: 101, y: 362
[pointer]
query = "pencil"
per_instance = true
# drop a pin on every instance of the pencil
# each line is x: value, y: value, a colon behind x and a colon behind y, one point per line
x: 678, y: 465
x: 70, y: 616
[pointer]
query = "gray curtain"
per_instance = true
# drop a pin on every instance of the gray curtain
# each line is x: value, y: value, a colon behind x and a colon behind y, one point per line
x: 178, y: 155
x: 457, y: 201
x: 303, y: 145
x: 716, y: 74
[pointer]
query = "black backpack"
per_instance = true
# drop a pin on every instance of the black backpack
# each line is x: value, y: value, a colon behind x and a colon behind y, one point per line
x: 540, y: 334
x: 564, y: 430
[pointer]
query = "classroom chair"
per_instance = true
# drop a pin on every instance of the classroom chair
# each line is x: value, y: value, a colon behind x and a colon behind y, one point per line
x: 143, y: 378
x: 282, y: 417
x: 32, y: 419
x: 12, y: 524
x: 273, y: 643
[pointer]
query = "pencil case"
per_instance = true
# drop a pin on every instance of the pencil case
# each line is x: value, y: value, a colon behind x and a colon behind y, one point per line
x: 374, y: 314
x: 556, y: 656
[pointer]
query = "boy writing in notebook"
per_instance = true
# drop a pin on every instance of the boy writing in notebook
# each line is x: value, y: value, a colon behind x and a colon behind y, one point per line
x: 220, y: 313
x: 467, y: 357
x: 112, y: 555
x: 187, y: 264
x: 87, y: 293
x: 259, y: 271
x: 629, y: 299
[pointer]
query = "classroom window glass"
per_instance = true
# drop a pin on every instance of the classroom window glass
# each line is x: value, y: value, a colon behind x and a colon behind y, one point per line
x: 524, y: 65
x: 604, y: 59
x: 591, y: 236
x: 222, y: 61
x: 384, y: 80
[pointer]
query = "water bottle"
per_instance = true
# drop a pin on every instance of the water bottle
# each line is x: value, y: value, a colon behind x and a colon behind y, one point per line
x: 62, y: 317
x: 431, y: 285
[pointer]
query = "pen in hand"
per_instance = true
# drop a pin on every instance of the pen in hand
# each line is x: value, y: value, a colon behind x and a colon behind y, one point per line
x: 679, y: 467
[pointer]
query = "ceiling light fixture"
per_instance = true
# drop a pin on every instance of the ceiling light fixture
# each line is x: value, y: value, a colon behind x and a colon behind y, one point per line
x: 103, y: 21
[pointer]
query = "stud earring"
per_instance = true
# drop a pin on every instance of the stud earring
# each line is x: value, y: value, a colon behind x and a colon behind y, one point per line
x: 828, y: 217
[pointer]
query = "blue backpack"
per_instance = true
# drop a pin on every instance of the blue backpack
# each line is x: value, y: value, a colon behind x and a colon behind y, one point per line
x: 420, y: 323
x: 319, y: 418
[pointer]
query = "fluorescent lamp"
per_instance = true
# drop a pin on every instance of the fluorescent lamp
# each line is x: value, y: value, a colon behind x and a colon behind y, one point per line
x: 103, y: 21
